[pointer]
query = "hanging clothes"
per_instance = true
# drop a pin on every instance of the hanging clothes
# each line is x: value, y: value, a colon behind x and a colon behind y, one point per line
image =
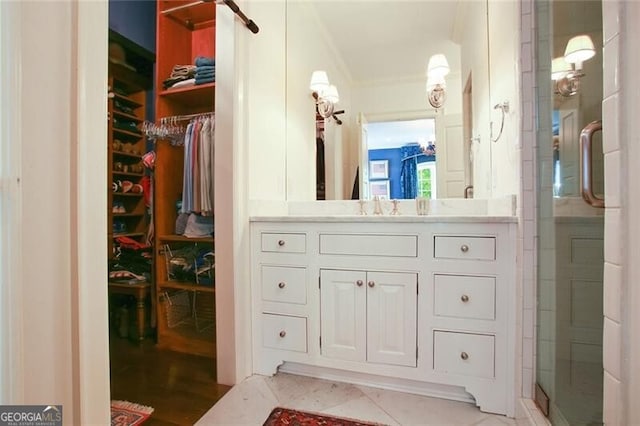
x: 197, y: 186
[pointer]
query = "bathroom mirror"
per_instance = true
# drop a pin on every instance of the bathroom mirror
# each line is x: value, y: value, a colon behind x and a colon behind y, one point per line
x: 376, y: 54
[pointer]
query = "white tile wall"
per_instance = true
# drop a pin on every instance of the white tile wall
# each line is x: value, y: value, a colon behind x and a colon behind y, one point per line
x: 612, y: 291
x: 612, y: 188
x: 612, y: 404
x: 527, y: 204
x: 611, y: 139
x: 611, y: 347
x: 611, y: 66
x: 612, y: 240
x: 611, y: 19
x: 613, y: 271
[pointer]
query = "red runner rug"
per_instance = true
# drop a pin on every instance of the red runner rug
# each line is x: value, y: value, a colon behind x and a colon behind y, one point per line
x: 284, y: 416
x: 125, y: 413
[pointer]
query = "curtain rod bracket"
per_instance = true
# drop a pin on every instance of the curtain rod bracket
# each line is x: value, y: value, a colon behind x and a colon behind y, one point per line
x: 253, y: 27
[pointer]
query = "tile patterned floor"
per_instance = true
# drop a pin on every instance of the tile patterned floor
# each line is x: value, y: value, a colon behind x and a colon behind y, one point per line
x: 250, y: 402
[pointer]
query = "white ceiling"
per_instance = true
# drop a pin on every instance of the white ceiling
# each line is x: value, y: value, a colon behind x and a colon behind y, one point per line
x: 394, y: 134
x: 391, y: 39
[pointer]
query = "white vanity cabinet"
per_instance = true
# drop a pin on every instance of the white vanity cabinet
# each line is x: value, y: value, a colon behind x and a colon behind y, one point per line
x: 422, y: 304
x: 369, y: 316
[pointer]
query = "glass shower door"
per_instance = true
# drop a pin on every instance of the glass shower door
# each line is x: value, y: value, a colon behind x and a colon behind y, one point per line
x: 569, y: 368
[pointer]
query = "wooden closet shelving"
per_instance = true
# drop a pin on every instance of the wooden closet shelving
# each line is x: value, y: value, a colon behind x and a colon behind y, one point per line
x: 125, y: 93
x: 186, y: 308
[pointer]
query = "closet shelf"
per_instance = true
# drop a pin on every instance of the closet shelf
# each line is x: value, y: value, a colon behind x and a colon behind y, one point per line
x: 182, y: 238
x: 128, y: 214
x: 127, y: 116
x: 194, y: 96
x: 126, y: 173
x: 126, y: 99
x: 126, y: 133
x: 128, y: 234
x: 127, y: 194
x: 191, y: 14
x: 186, y: 286
x: 127, y: 154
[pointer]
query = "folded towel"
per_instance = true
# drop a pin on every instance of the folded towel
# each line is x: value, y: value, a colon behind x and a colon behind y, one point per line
x: 205, y: 80
x: 183, y: 71
x: 205, y: 74
x: 173, y: 80
x: 203, y: 61
x: 205, y: 69
x: 183, y: 83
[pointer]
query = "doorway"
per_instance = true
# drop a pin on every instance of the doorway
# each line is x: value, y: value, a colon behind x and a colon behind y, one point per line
x: 401, y: 158
x: 569, y: 370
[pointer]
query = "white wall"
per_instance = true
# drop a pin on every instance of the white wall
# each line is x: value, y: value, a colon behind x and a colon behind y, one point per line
x: 264, y: 57
x: 53, y: 125
x: 504, y: 72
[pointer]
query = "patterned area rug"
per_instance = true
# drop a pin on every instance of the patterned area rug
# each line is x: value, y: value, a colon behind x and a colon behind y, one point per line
x: 284, y: 416
x: 125, y: 413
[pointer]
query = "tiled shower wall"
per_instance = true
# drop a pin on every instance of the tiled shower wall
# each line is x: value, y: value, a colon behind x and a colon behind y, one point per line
x: 613, y: 255
x: 526, y: 202
x: 620, y: 140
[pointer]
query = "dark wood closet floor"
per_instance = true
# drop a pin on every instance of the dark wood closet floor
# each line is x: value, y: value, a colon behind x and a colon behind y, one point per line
x: 180, y: 387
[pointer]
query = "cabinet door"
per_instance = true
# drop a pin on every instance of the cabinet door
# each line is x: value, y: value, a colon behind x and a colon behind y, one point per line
x: 392, y: 318
x: 343, y: 314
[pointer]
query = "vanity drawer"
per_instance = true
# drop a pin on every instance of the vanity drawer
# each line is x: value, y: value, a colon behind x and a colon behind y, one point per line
x: 284, y: 242
x: 464, y: 353
x: 369, y: 245
x: 284, y: 332
x: 284, y: 284
x: 465, y: 296
x: 475, y: 248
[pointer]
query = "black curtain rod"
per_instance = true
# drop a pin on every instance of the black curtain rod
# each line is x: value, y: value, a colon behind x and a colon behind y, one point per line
x: 248, y: 22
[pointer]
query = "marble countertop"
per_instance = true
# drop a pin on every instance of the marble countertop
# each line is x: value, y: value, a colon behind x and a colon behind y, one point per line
x: 386, y: 219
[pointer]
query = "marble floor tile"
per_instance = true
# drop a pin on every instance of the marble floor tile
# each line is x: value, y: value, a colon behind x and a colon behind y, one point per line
x: 247, y: 403
x: 363, y: 409
x: 250, y: 402
x: 307, y: 393
x: 409, y: 409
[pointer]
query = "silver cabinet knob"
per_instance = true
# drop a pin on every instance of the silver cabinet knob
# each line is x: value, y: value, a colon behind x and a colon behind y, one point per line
x: 464, y: 248
x: 359, y: 283
x: 280, y: 243
x: 283, y: 333
x: 464, y: 356
x: 464, y: 298
x: 281, y: 285
x: 371, y: 283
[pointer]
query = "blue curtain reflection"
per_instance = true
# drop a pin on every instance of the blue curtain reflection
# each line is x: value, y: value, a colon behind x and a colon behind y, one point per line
x: 409, y: 173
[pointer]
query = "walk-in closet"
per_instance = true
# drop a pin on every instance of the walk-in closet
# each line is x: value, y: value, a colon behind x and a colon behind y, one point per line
x: 161, y: 136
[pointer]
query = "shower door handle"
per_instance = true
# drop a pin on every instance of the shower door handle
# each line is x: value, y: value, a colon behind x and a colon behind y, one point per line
x: 586, y: 164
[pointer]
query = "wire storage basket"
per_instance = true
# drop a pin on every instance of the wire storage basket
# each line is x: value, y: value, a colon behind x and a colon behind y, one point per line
x: 204, y: 313
x: 178, y: 307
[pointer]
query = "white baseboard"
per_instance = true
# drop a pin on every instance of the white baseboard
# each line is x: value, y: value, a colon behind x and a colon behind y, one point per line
x: 401, y: 385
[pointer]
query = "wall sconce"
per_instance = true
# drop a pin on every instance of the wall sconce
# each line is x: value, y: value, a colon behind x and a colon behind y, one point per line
x: 325, y: 94
x: 437, y: 68
x: 566, y: 71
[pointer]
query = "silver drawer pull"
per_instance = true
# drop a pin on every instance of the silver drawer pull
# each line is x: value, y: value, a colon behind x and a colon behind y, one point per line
x: 464, y: 248
x: 281, y: 285
x: 283, y: 333
x: 464, y: 298
x: 359, y: 283
x: 463, y: 355
x: 371, y: 283
x: 280, y: 243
